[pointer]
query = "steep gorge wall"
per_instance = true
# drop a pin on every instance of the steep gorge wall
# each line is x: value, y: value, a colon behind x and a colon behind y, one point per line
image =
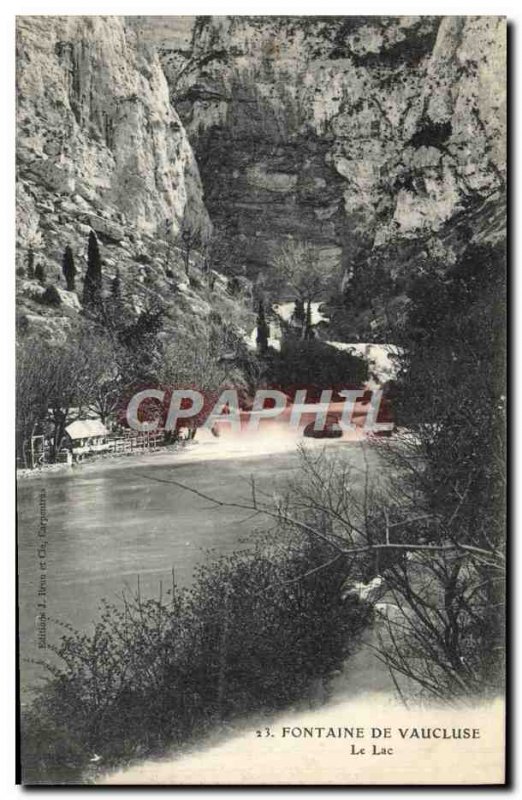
x: 99, y: 146
x: 348, y: 132
x: 95, y: 122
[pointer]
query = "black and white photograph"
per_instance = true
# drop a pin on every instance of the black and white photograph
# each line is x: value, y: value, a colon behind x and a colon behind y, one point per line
x: 261, y: 398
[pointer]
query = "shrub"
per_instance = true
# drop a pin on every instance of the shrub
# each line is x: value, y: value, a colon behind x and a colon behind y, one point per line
x: 51, y: 296
x: 311, y: 362
x: 246, y: 638
x: 39, y: 273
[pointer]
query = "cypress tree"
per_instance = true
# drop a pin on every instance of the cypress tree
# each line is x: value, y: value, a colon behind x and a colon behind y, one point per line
x: 308, y: 332
x: 114, y: 307
x: 92, y: 286
x: 116, y: 287
x: 263, y: 330
x: 69, y: 269
x: 30, y: 264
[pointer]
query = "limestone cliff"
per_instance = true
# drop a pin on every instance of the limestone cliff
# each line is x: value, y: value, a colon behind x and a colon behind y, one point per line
x: 99, y: 146
x: 96, y: 124
x: 349, y: 132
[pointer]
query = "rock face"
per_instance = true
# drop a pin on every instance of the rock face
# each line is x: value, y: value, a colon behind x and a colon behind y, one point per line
x: 96, y: 125
x: 99, y: 146
x: 348, y: 132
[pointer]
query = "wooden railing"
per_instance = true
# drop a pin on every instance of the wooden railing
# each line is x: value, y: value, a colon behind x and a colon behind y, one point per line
x: 123, y: 442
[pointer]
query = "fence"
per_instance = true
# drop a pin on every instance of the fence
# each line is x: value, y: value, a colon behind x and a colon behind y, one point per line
x: 37, y: 450
x: 121, y: 443
x: 130, y: 442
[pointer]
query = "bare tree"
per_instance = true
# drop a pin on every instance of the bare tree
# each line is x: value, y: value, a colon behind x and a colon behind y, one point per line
x: 438, y: 585
x: 31, y: 394
x: 300, y: 269
x: 53, y: 378
x: 189, y: 240
x: 104, y: 378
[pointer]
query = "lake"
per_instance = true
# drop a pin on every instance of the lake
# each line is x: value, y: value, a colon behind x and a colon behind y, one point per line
x: 110, y: 522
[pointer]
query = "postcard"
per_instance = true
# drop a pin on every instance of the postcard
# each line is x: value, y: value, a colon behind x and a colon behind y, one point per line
x: 261, y: 400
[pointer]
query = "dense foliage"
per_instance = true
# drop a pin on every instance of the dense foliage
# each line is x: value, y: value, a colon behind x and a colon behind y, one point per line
x: 452, y: 481
x: 310, y: 362
x: 246, y: 638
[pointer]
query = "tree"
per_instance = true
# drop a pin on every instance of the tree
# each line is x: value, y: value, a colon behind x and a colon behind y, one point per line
x: 370, y: 285
x: 117, y: 316
x: 70, y: 383
x: 69, y: 269
x: 116, y: 287
x: 30, y: 263
x: 308, y: 332
x: 190, y: 661
x: 442, y: 636
x: 298, y: 267
x: 197, y: 362
x: 92, y: 287
x: 452, y: 377
x: 103, y: 361
x: 299, y: 315
x: 142, y: 348
x: 32, y: 386
x: 189, y: 239
x: 39, y: 273
x: 52, y: 379
x: 263, y: 330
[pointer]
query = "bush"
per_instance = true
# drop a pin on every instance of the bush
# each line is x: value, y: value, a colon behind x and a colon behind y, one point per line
x: 39, y: 273
x: 246, y: 638
x: 313, y: 363
x: 51, y: 296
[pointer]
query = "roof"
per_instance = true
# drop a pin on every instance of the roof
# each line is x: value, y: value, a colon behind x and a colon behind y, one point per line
x: 84, y: 428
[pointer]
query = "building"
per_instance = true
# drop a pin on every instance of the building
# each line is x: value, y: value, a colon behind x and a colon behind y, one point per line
x: 86, y: 437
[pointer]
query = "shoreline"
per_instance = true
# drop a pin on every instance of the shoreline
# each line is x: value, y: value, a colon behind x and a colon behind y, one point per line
x: 217, y: 449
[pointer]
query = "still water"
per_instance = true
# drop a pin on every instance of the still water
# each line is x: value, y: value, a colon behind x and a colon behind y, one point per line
x: 110, y: 523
